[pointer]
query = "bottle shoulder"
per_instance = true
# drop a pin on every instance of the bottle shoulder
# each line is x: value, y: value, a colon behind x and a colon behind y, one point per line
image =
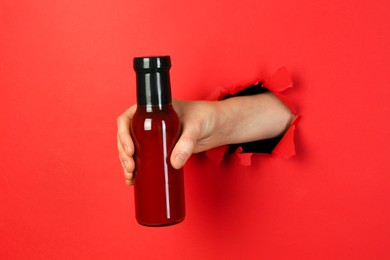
x: 146, y: 127
x: 155, y: 117
x: 155, y: 111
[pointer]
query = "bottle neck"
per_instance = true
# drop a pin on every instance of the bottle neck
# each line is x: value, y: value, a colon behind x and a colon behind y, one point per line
x: 153, y: 88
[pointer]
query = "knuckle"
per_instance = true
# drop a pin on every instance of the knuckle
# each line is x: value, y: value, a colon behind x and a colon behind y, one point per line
x: 130, y: 149
x: 187, y: 142
x: 119, y: 120
x: 123, y: 158
x: 130, y: 166
x: 128, y: 175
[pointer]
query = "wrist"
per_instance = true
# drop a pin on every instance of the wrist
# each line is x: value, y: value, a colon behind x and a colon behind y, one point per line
x: 222, y: 126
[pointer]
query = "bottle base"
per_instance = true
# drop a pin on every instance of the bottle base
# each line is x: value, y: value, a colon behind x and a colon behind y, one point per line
x: 160, y: 224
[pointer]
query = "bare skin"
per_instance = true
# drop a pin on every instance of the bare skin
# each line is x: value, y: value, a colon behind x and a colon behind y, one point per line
x: 209, y: 124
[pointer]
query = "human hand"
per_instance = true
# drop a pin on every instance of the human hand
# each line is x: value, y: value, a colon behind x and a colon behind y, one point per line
x: 198, y: 119
x: 208, y: 124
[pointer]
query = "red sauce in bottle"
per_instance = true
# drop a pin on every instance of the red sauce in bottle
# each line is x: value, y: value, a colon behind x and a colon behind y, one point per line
x: 155, y: 129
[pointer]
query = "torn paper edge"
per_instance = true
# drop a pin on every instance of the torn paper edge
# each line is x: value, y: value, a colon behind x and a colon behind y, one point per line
x: 277, y: 83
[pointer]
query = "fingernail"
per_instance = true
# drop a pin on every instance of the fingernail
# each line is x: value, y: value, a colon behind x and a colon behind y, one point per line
x: 179, y: 160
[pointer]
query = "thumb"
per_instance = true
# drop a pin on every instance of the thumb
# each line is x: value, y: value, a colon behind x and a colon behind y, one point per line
x: 185, y: 145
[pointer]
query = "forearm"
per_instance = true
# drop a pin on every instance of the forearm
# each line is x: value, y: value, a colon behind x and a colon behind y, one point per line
x: 250, y: 118
x: 208, y: 124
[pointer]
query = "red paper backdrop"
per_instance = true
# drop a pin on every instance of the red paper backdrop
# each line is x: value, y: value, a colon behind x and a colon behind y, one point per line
x: 65, y: 75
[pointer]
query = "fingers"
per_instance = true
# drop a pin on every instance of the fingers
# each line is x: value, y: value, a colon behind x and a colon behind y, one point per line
x: 127, y: 164
x: 124, y: 137
x: 185, y: 145
x: 125, y: 144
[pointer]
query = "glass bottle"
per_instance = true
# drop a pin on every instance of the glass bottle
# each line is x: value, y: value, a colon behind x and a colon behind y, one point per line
x: 155, y: 129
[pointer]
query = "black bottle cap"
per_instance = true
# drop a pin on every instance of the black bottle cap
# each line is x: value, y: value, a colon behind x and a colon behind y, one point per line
x: 152, y: 63
x: 153, y: 81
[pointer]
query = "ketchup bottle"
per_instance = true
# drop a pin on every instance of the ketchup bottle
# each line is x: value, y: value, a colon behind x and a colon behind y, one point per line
x: 155, y: 129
